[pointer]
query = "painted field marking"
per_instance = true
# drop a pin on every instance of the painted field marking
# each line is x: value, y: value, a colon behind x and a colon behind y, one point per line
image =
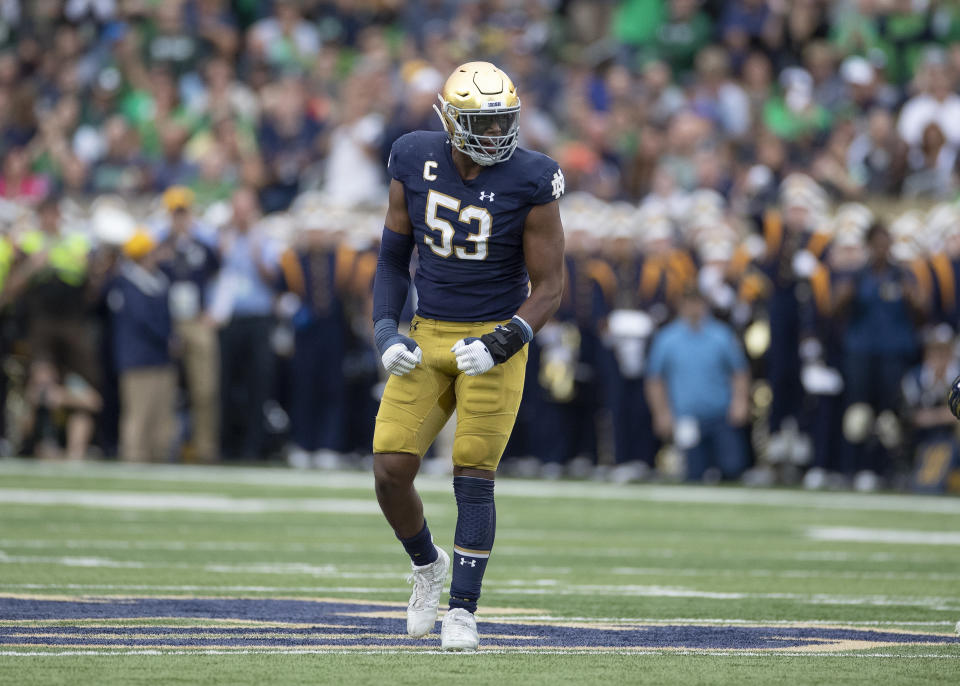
x: 715, y: 621
x: 321, y: 547
x: 945, y: 604
x: 195, y: 502
x: 281, y: 568
x: 494, y: 615
x: 478, y: 654
x: 787, y: 573
x: 226, y: 546
x: 582, y: 490
x: 102, y: 625
x: 853, y: 534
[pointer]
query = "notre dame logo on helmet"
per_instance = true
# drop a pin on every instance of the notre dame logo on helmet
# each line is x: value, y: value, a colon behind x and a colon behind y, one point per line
x: 954, y: 397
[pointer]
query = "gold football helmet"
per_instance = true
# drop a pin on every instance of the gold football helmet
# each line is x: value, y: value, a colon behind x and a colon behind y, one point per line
x: 479, y: 109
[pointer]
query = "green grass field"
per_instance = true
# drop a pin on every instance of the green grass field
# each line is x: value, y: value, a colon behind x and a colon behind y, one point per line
x: 115, y: 574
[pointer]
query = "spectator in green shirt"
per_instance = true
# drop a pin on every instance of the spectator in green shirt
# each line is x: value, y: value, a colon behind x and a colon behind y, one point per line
x: 636, y: 22
x: 794, y: 115
x: 684, y: 32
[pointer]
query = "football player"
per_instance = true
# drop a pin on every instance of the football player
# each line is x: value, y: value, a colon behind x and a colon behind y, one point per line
x: 484, y: 217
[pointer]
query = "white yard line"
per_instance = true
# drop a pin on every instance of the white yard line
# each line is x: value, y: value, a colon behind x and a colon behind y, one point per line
x: 321, y: 547
x: 282, y: 568
x: 713, y: 621
x: 475, y: 655
x: 186, y: 588
x: 852, y: 534
x: 364, y: 571
x: 587, y: 490
x: 114, y: 544
x: 195, y: 502
x: 787, y: 573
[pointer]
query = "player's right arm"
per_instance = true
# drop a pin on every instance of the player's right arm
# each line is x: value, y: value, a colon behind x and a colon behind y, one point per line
x: 399, y: 354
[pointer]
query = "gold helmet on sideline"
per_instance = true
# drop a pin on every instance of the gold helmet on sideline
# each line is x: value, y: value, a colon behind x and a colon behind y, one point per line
x: 476, y: 98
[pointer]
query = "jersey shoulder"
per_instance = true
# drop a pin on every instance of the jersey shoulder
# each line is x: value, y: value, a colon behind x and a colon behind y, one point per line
x: 538, y: 171
x: 409, y: 151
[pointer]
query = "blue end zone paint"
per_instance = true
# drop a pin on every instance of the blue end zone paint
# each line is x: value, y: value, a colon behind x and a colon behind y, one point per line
x: 343, y: 627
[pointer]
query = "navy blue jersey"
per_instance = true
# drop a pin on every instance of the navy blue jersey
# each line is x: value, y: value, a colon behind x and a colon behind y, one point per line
x: 469, y: 234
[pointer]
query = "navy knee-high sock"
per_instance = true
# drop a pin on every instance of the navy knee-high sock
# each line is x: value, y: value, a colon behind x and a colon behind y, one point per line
x: 473, y: 540
x: 420, y: 548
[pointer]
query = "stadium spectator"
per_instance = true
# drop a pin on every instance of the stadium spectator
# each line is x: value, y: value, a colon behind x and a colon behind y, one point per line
x: 216, y: 27
x: 880, y: 304
x: 317, y: 273
x: 746, y: 23
x: 829, y: 88
x: 188, y: 257
x: 697, y: 385
x: 138, y: 299
x: 415, y: 112
x: 18, y: 183
x: 865, y: 89
x: 795, y: 116
x: 284, y: 39
x: 936, y: 103
x: 48, y: 285
x: 634, y: 98
x: 831, y: 167
x: 931, y: 166
x: 222, y: 95
x: 123, y: 168
x: 288, y: 139
x: 173, y: 168
x: 717, y: 97
x: 354, y: 172
x: 926, y: 386
x: 242, y: 304
x: 875, y: 156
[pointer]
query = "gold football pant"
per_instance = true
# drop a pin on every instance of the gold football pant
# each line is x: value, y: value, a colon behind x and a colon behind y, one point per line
x: 416, y: 406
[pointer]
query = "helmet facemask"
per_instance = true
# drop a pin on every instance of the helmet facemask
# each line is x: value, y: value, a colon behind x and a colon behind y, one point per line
x: 468, y: 130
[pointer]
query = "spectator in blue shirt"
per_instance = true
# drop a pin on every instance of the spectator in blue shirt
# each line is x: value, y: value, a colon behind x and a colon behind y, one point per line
x: 137, y: 298
x: 242, y: 304
x: 698, y: 388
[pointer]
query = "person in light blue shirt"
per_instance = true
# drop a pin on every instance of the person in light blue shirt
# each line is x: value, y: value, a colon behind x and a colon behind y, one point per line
x: 242, y: 305
x: 698, y: 388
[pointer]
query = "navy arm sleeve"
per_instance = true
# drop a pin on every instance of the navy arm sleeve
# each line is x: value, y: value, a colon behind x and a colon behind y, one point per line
x: 392, y: 280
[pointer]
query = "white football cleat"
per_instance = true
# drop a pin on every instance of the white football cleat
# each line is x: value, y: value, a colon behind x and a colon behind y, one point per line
x: 428, y: 582
x: 459, y: 630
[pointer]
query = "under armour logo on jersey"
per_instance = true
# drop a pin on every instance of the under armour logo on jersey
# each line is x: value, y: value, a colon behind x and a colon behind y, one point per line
x: 557, y: 185
x: 486, y: 196
x: 464, y: 561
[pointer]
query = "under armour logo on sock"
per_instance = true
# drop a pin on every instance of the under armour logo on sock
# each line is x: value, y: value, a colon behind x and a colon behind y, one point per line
x: 464, y: 561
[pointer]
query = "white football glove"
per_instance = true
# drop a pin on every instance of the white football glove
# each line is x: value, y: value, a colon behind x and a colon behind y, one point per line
x: 473, y: 358
x: 399, y: 360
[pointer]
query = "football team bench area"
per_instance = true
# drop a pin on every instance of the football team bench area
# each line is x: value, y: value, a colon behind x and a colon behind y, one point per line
x: 122, y: 574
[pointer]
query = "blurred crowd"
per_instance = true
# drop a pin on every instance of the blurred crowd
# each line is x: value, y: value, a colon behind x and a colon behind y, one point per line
x: 191, y: 195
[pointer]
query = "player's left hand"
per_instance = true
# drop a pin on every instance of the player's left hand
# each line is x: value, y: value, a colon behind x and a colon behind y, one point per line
x: 473, y: 358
